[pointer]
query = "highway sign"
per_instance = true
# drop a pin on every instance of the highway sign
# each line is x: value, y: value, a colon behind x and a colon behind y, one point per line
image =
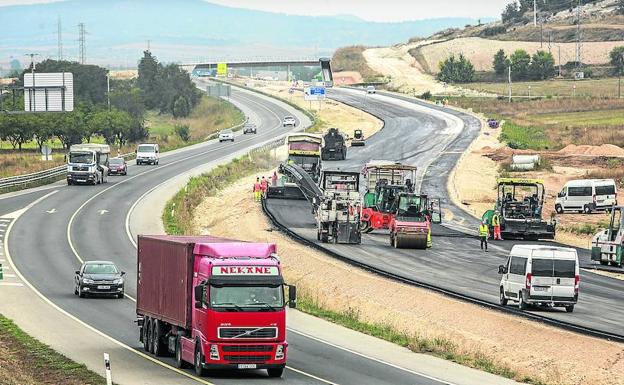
x: 221, y: 69
x: 46, y: 150
x: 314, y: 93
x: 48, y: 92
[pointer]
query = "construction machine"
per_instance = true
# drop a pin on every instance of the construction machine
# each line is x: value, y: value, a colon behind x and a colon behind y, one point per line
x: 410, y: 226
x: 338, y: 209
x: 608, y: 245
x: 334, y: 146
x: 304, y: 150
x: 358, y: 139
x: 520, y: 203
x: 385, y: 180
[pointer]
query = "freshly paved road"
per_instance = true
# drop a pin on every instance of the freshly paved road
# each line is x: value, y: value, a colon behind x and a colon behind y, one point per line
x: 78, y: 223
x: 430, y: 141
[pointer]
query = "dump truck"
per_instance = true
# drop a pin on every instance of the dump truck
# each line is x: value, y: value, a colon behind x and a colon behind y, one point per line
x: 213, y: 303
x: 520, y: 203
x: 384, y: 181
x: 608, y: 245
x: 410, y: 224
x: 338, y: 208
x: 87, y: 163
x: 334, y: 145
x: 304, y: 150
x: 358, y: 139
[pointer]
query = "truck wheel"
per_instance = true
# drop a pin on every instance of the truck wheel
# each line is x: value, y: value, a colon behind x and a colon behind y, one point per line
x: 150, y: 345
x: 180, y: 363
x: 569, y: 308
x: 69, y: 182
x: 199, y: 359
x: 144, y: 334
x: 521, y: 304
x: 324, y: 237
x: 365, y: 227
x: 587, y: 209
x: 275, y: 372
x: 502, y: 300
x: 159, y: 349
x: 559, y: 209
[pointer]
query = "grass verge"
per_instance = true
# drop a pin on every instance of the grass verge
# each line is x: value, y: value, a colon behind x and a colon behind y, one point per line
x: 178, y: 215
x: 24, y: 361
x: 438, y: 347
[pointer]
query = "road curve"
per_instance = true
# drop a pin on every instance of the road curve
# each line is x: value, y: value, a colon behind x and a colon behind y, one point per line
x: 78, y: 223
x: 455, y: 262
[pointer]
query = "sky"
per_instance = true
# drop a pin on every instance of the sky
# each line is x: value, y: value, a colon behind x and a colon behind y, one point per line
x: 372, y: 10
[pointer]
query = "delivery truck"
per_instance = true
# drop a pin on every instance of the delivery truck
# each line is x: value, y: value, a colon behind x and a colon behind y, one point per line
x: 213, y: 303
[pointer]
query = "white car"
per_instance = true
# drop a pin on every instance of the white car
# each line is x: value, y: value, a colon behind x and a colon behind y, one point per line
x: 290, y: 121
x: 586, y: 196
x: 226, y: 135
x: 540, y: 275
x: 147, y: 153
x: 370, y: 90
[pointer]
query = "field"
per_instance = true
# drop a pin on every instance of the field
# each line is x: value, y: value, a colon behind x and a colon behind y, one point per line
x: 599, y: 88
x: 208, y: 117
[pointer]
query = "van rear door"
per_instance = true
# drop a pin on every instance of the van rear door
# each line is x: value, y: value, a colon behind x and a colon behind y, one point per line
x: 565, y: 267
x: 542, y: 275
x: 605, y: 194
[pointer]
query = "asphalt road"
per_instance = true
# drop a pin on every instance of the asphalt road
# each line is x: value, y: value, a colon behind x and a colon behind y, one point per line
x: 88, y: 222
x: 455, y: 262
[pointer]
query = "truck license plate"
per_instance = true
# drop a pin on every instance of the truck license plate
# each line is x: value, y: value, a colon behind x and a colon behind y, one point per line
x: 541, y: 288
x: 247, y: 366
x: 103, y: 287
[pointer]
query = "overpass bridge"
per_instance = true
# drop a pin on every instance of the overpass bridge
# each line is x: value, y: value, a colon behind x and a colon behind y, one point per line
x: 210, y: 67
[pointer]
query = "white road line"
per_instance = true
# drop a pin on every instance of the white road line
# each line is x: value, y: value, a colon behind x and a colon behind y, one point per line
x: 370, y: 358
x: 8, y: 275
x: 102, y: 334
x: 15, y: 284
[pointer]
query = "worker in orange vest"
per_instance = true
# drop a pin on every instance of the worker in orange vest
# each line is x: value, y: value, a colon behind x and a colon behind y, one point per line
x: 257, y: 190
x: 274, y: 179
x: 264, y: 184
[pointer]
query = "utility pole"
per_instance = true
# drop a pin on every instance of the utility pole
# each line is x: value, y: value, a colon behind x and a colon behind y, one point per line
x: 510, y: 83
x: 621, y: 69
x: 559, y: 47
x: 59, y: 33
x: 578, y: 35
x: 535, y: 13
x: 82, y: 43
x: 34, y: 91
x: 108, y: 89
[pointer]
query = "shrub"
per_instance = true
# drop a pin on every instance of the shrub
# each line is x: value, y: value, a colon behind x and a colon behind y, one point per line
x: 426, y: 95
x: 183, y: 131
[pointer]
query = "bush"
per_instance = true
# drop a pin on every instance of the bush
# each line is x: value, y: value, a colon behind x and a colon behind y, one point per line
x: 183, y: 131
x: 426, y: 95
x: 493, y: 31
x: 458, y: 70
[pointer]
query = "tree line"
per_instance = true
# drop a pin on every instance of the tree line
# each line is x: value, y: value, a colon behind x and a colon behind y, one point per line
x: 165, y: 88
x: 518, y: 11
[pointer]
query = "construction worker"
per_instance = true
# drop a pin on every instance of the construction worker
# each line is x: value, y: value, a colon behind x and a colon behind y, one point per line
x: 484, y: 232
x: 496, y: 221
x: 257, y: 190
x: 264, y: 185
x: 274, y: 179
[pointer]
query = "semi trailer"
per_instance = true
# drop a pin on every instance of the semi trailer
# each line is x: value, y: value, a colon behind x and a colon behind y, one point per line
x: 212, y: 303
x: 304, y: 150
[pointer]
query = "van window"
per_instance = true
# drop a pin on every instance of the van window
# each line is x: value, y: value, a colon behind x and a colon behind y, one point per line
x: 518, y: 265
x: 579, y: 191
x: 565, y: 268
x: 542, y: 267
x: 605, y: 190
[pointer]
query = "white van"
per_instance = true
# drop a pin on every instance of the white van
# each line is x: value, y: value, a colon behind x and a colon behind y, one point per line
x: 370, y: 90
x: 586, y: 195
x: 147, y: 153
x: 540, y: 275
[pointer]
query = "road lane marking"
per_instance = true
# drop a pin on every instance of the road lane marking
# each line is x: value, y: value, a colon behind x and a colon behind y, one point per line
x: 14, y: 284
x: 52, y: 211
x: 84, y: 324
x: 102, y: 212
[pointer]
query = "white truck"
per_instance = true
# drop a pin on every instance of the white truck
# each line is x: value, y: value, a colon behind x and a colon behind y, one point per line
x: 147, y: 153
x: 87, y: 163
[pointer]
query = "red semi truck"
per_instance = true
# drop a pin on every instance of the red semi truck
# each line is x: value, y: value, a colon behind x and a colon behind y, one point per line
x: 211, y: 302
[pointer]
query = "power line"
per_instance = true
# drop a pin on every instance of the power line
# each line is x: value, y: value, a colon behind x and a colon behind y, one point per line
x: 83, y: 43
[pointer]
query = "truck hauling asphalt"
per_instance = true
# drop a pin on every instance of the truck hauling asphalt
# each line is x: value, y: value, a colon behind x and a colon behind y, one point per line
x: 334, y: 145
x: 213, y: 303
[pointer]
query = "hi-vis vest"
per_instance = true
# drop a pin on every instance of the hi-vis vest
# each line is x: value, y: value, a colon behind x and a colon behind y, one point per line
x: 495, y: 220
x: 483, y: 231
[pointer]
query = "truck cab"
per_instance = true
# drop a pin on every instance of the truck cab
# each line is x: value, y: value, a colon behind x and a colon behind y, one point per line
x: 87, y: 163
x: 213, y: 303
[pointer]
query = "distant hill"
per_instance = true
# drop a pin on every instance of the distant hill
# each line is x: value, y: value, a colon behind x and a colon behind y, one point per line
x: 189, y: 30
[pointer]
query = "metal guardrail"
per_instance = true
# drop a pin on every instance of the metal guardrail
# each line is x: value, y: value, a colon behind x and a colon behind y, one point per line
x: 12, y: 182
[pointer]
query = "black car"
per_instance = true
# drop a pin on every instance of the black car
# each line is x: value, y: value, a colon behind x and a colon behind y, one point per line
x: 249, y: 128
x: 99, y: 277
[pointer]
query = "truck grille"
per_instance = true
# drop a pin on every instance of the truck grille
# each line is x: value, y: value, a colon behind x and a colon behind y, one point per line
x: 229, y: 357
x: 247, y: 348
x: 80, y: 168
x: 246, y: 333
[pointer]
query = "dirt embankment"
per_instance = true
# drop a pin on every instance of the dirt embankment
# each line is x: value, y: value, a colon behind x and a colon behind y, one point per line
x: 552, y: 355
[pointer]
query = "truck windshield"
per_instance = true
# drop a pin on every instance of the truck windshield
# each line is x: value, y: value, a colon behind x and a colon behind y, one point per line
x: 247, y: 298
x: 81, y: 157
x: 146, y: 149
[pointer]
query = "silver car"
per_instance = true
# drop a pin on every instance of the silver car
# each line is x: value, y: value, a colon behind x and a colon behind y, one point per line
x: 226, y: 135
